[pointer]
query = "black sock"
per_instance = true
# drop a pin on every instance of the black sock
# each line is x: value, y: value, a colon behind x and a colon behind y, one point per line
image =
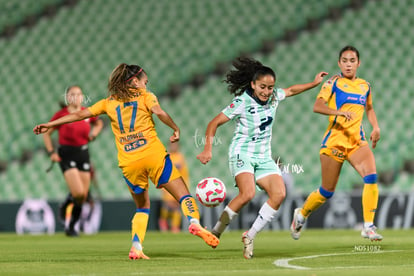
x: 76, y: 212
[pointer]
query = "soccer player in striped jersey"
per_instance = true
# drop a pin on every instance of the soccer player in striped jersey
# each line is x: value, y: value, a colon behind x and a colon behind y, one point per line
x: 141, y: 154
x: 250, y: 158
x: 344, y: 98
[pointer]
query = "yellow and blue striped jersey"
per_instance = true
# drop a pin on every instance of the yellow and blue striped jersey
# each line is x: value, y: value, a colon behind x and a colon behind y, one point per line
x: 346, y: 95
x: 132, y: 125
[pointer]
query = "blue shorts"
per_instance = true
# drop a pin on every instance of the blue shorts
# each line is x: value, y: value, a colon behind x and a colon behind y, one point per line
x: 259, y: 167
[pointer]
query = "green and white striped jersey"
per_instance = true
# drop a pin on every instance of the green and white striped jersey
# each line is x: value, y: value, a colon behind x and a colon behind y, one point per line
x: 254, y: 122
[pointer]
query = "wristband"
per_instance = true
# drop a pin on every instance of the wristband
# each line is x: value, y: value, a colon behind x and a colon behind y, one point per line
x: 50, y: 152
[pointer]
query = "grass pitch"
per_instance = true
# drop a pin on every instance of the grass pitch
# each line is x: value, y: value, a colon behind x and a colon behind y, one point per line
x: 318, y: 252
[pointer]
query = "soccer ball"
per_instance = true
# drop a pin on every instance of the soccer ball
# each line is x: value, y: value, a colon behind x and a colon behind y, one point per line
x: 211, y: 191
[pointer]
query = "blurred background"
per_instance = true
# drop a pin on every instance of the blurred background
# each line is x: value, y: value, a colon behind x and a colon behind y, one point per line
x: 186, y: 47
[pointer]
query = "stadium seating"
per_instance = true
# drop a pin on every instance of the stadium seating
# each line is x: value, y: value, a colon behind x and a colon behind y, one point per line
x: 77, y: 46
x: 15, y: 12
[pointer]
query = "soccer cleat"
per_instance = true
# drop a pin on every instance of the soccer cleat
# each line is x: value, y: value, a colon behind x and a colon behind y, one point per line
x: 296, y: 225
x: 371, y: 233
x: 248, y: 246
x: 135, y: 254
x: 197, y: 230
x: 71, y: 232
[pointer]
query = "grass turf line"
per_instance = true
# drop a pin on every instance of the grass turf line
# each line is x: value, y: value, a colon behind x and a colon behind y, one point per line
x: 183, y: 254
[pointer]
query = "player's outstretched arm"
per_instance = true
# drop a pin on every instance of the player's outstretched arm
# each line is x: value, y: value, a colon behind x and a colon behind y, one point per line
x: 299, y: 88
x: 72, y: 117
x: 206, y: 155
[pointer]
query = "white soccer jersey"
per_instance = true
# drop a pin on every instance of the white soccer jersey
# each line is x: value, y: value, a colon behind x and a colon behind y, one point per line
x: 254, y: 123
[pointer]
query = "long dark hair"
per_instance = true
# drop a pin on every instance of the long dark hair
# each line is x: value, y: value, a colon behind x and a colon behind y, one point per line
x: 120, y: 79
x: 247, y: 70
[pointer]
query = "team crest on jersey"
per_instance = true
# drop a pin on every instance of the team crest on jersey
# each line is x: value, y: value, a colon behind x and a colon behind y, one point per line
x: 363, y: 87
x: 240, y: 163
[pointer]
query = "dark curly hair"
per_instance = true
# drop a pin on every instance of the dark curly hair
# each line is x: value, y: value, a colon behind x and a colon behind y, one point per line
x: 247, y: 70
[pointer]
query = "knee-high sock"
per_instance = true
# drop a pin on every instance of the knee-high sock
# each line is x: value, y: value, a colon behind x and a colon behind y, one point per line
x: 266, y: 214
x: 315, y: 200
x: 76, y: 212
x: 226, y: 217
x: 190, y: 209
x: 139, y: 225
x: 68, y: 200
x: 370, y: 198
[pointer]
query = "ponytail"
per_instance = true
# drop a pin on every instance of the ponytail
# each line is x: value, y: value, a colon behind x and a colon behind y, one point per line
x: 120, y: 79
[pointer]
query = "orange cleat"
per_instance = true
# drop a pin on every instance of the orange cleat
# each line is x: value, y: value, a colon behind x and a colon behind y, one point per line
x: 135, y: 254
x: 197, y: 230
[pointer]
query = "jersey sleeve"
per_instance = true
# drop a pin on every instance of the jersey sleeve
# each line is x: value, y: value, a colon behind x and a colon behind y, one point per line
x: 280, y: 94
x: 98, y: 108
x: 151, y: 100
x: 92, y: 119
x: 326, y: 90
x: 234, y: 109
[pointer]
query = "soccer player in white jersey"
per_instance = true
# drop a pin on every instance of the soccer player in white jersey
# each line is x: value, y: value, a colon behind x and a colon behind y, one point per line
x: 250, y: 158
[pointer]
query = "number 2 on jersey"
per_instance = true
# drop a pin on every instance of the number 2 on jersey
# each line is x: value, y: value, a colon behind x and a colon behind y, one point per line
x: 134, y: 106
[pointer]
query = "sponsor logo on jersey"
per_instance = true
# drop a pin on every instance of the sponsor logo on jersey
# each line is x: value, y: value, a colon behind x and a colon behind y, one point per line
x: 135, y: 145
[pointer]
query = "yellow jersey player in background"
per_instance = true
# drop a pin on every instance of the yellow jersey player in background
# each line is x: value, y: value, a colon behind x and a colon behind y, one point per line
x: 344, y: 98
x: 170, y: 213
x: 141, y: 155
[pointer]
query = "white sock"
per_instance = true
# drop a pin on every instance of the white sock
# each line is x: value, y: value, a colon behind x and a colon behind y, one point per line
x: 224, y: 220
x: 266, y: 214
x: 367, y: 224
x: 137, y: 245
x: 194, y: 220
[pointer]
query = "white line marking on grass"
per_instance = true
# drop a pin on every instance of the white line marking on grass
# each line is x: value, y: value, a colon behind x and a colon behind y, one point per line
x: 285, y: 262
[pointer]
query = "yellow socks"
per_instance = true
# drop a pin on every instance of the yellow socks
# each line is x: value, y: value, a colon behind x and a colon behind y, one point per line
x: 315, y: 200
x: 190, y: 209
x: 139, y: 225
x: 370, y: 198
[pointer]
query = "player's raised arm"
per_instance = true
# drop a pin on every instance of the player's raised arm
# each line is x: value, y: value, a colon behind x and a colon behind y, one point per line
x: 299, y: 88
